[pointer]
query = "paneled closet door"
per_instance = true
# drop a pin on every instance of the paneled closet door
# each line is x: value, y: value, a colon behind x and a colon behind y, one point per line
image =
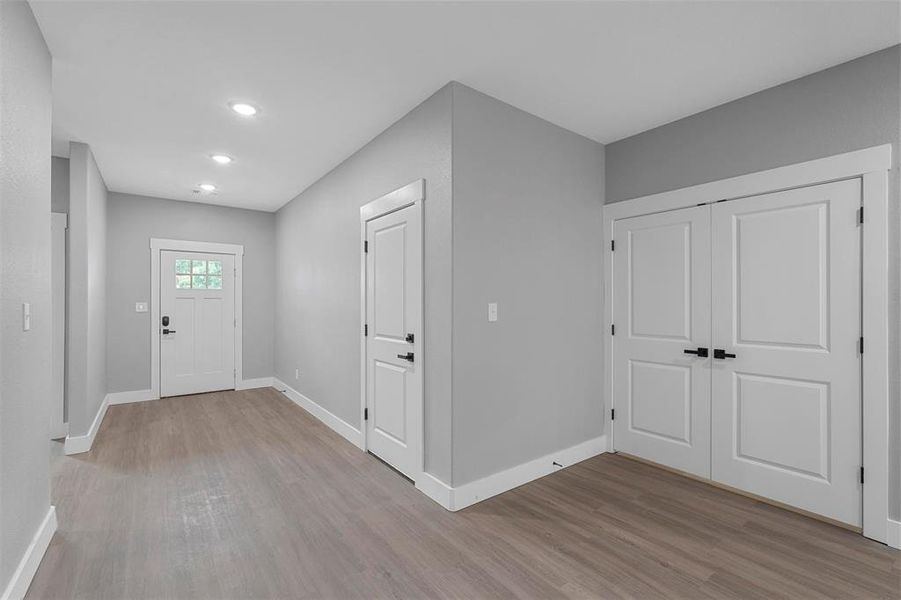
x: 786, y: 388
x: 662, y: 318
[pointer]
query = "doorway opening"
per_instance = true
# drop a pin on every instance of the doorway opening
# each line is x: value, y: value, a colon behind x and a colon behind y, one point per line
x: 196, y: 324
x: 391, y: 293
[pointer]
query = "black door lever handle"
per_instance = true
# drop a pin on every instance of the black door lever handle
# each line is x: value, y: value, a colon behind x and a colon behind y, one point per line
x: 408, y: 356
x: 168, y: 331
x: 702, y: 352
x: 721, y: 354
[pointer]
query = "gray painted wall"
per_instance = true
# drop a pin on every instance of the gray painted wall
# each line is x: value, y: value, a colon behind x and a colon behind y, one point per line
x: 318, y: 276
x: 132, y: 221
x: 59, y: 184
x: 527, y: 235
x: 848, y: 107
x: 86, y: 336
x: 25, y: 275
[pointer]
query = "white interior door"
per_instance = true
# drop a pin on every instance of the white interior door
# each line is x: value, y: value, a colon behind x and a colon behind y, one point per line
x: 197, y: 322
x: 58, y: 224
x: 393, y: 342
x: 786, y: 297
x: 661, y: 310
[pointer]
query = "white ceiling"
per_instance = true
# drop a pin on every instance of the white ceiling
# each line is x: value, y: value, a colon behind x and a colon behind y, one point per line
x: 146, y: 83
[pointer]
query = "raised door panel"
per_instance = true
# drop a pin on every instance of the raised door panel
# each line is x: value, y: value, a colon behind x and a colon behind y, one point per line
x: 786, y: 297
x: 197, y: 294
x: 393, y: 306
x: 661, y: 308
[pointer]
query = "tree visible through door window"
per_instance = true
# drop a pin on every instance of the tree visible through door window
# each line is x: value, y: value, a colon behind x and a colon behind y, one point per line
x: 198, y: 274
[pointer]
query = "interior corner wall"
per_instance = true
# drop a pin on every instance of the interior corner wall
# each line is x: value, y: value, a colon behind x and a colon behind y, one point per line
x: 86, y: 338
x: 318, y: 272
x: 131, y: 222
x: 528, y: 235
x: 847, y: 107
x: 25, y: 105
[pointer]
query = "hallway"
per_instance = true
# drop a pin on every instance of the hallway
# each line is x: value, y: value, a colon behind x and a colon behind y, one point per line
x: 219, y: 496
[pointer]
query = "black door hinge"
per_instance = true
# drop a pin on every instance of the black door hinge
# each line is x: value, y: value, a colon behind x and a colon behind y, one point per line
x: 613, y: 330
x: 861, y: 475
x: 613, y: 414
x: 365, y: 414
x: 860, y: 220
x: 861, y: 344
x: 366, y: 246
x: 612, y: 245
x: 366, y: 329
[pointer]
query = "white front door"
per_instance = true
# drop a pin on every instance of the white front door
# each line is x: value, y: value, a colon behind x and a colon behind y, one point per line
x: 662, y: 318
x: 197, y: 322
x: 394, y: 341
x: 786, y: 296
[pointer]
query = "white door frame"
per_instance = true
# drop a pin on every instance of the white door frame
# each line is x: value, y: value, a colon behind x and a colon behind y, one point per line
x: 156, y: 246
x: 411, y: 194
x: 871, y: 166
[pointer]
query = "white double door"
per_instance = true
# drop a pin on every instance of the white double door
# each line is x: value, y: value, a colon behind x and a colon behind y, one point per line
x: 197, y: 322
x: 736, y: 351
x: 393, y: 339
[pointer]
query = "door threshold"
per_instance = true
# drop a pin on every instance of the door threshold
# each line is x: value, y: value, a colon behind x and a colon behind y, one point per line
x: 390, y: 467
x: 198, y: 393
x: 740, y: 492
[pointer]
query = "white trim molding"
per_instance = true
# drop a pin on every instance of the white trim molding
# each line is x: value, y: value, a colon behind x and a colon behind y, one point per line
x: 333, y: 421
x: 894, y: 534
x: 31, y: 560
x: 76, y: 444
x: 871, y: 166
x: 158, y: 244
x: 129, y: 397
x: 252, y: 384
x: 457, y: 498
x: 412, y: 194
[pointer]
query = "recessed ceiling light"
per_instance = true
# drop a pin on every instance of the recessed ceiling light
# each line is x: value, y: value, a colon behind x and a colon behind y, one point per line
x: 244, y: 109
x: 222, y: 159
x: 207, y: 187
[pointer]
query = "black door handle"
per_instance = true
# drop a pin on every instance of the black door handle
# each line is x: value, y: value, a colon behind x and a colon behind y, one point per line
x: 168, y: 331
x: 702, y: 352
x: 408, y: 356
x: 721, y: 354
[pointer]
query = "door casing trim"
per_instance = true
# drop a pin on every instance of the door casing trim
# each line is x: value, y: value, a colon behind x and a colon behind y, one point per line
x: 871, y: 166
x: 156, y: 246
x: 409, y: 195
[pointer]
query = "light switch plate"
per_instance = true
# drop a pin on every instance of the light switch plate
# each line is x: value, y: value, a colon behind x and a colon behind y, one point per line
x: 26, y: 316
x: 140, y: 307
x: 492, y: 312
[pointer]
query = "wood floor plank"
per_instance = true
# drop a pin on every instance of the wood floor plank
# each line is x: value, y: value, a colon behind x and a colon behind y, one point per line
x: 245, y: 495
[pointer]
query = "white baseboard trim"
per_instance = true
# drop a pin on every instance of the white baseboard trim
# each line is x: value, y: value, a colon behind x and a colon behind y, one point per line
x: 470, y: 493
x: 342, y: 427
x: 28, y: 566
x: 436, y: 489
x: 457, y: 498
x: 129, y: 397
x: 893, y: 538
x: 252, y: 384
x: 76, y: 444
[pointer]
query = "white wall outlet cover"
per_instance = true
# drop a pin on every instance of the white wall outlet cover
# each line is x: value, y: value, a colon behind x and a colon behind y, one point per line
x: 26, y: 316
x: 492, y: 312
x: 140, y: 307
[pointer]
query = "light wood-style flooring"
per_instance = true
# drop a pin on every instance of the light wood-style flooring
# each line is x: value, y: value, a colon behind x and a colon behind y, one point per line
x: 244, y: 495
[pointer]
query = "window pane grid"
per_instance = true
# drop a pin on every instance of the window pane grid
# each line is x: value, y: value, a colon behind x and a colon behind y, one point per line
x: 198, y: 274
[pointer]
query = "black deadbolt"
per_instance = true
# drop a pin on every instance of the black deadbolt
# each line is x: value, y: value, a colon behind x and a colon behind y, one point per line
x: 166, y: 321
